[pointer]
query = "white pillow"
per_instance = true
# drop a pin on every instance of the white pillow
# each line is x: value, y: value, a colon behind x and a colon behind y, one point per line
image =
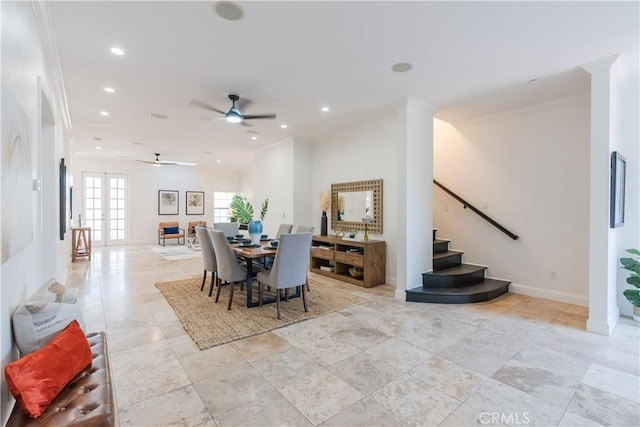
x: 52, y: 291
x: 35, y: 323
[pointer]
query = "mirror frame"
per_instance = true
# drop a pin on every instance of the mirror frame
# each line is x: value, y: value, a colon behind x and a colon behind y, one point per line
x: 374, y: 185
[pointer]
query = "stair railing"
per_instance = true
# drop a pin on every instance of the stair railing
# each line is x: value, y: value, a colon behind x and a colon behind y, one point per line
x: 466, y: 205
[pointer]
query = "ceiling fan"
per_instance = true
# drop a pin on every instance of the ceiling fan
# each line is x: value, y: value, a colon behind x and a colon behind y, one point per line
x: 235, y: 115
x: 157, y: 162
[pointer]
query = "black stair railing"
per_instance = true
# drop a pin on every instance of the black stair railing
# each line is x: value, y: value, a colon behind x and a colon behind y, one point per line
x: 466, y: 204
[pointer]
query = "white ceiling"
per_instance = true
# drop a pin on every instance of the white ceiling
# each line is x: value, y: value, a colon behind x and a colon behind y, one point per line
x: 469, y: 59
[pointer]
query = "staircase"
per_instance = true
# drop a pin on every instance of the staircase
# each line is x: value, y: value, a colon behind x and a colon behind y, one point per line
x: 452, y: 282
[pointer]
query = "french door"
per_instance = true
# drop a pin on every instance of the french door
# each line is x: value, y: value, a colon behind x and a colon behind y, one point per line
x: 104, y: 207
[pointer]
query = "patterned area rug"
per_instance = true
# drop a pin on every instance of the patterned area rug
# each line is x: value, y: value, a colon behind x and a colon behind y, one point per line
x: 210, y: 324
x: 177, y: 252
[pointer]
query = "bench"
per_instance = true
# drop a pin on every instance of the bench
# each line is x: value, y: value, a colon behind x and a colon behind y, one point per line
x: 162, y: 234
x: 88, y: 400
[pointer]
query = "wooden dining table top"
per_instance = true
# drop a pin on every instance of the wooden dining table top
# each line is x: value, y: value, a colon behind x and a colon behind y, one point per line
x: 254, y: 252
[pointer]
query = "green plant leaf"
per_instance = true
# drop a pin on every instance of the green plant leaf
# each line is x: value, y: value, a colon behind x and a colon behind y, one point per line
x: 634, y: 280
x: 630, y: 264
x: 263, y: 209
x: 633, y: 296
x: 241, y: 209
x: 634, y: 251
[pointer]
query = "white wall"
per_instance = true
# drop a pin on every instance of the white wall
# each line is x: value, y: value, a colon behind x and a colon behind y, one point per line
x: 361, y: 153
x: 144, y: 182
x: 530, y: 168
x: 26, y: 75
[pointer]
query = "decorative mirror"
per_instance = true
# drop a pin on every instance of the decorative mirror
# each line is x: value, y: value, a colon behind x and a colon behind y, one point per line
x: 355, y: 203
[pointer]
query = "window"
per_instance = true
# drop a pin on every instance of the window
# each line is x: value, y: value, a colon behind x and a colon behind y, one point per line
x: 221, y: 203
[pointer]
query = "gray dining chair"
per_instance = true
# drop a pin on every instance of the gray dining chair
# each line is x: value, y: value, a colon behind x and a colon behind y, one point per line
x: 304, y: 229
x: 289, y: 267
x: 284, y: 228
x: 229, y: 270
x: 230, y: 229
x: 208, y: 256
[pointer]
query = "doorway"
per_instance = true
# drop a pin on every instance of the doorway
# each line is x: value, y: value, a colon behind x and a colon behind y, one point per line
x: 104, y: 204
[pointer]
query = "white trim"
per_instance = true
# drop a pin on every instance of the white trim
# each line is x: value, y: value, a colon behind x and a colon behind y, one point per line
x: 548, y: 294
x: 603, y: 328
x: 600, y: 64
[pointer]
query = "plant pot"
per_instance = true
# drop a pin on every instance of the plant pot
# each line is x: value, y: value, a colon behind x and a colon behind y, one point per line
x: 636, y: 313
x: 255, y: 231
x: 323, y: 224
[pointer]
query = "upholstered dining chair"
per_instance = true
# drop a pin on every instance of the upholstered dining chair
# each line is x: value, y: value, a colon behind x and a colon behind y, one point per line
x: 289, y: 267
x: 304, y: 229
x: 228, y: 268
x: 230, y: 229
x: 284, y: 228
x: 208, y: 257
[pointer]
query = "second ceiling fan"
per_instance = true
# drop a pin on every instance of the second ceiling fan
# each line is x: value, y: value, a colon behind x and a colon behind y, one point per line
x: 235, y: 114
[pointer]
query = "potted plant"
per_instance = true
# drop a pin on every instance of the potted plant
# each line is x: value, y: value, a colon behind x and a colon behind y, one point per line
x: 633, y: 295
x: 242, y: 211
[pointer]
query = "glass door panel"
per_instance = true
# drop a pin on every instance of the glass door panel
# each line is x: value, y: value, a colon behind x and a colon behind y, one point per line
x: 105, y: 208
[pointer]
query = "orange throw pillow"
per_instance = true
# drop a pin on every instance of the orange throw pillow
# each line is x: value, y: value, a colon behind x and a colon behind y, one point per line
x: 36, y: 379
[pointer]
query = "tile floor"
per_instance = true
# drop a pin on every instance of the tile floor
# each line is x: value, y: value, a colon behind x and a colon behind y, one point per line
x: 515, y: 361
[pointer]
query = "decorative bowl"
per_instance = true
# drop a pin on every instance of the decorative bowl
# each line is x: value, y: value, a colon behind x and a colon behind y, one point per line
x: 355, y: 272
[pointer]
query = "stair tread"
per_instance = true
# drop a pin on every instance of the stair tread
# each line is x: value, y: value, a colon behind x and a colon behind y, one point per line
x: 458, y: 270
x: 441, y: 240
x: 484, y: 286
x: 438, y: 255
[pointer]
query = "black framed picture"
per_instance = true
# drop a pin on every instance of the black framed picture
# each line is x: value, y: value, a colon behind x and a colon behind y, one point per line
x: 618, y: 172
x: 195, y: 202
x: 63, y: 199
x: 168, y: 202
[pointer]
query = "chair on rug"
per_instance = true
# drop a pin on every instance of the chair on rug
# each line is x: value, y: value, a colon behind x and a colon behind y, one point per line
x: 289, y: 267
x: 304, y: 229
x: 208, y: 257
x: 170, y: 230
x: 228, y: 268
x: 284, y: 228
x: 230, y: 229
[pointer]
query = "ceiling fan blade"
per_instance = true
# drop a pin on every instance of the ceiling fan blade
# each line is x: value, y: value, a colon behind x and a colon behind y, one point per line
x: 170, y: 162
x: 259, y: 116
x: 244, y: 103
x: 143, y: 161
x: 201, y: 104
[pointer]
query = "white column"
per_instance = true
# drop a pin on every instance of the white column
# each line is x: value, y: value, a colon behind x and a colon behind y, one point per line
x: 415, y: 194
x: 603, y: 306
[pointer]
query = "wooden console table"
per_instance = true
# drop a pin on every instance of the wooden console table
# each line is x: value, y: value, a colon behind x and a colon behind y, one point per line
x: 334, y: 257
x: 80, y: 235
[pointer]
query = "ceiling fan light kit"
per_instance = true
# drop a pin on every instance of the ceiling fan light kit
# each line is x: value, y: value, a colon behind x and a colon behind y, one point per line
x: 235, y: 114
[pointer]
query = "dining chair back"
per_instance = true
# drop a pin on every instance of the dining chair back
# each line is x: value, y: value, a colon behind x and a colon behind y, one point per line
x: 289, y: 267
x: 304, y: 229
x: 230, y: 229
x: 228, y: 268
x: 284, y: 228
x: 208, y: 256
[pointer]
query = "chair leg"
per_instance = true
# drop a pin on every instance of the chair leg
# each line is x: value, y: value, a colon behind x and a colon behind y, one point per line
x: 304, y: 298
x: 218, y: 293
x: 204, y: 279
x: 278, y: 302
x: 213, y: 275
x: 232, y: 285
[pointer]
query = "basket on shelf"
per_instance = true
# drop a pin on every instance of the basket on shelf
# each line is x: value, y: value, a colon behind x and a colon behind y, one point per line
x: 355, y: 272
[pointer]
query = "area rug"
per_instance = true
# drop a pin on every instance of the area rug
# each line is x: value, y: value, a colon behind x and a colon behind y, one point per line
x: 177, y: 252
x: 210, y: 324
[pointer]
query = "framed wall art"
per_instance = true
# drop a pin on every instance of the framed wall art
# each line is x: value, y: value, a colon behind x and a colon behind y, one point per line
x: 618, y: 172
x: 195, y: 202
x: 168, y: 202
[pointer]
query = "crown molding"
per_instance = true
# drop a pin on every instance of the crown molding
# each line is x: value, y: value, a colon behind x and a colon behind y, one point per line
x: 600, y: 64
x: 52, y: 60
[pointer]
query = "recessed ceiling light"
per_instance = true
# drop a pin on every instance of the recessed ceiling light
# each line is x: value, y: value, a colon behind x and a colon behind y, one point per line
x: 104, y: 113
x: 283, y: 126
x: 109, y: 89
x: 402, y: 67
x: 136, y: 143
x: 97, y: 139
x: 117, y: 51
x: 228, y: 10
x: 254, y: 137
x: 218, y: 161
x: 325, y: 109
x: 533, y: 81
x: 158, y: 116
x: 206, y: 152
x: 98, y: 148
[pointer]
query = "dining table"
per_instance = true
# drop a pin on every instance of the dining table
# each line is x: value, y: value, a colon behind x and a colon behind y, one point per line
x: 252, y: 254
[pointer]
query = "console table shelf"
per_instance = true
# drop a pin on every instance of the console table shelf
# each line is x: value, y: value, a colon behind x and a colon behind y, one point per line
x: 334, y: 257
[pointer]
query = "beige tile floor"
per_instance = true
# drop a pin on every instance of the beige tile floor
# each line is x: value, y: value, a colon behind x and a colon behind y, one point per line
x: 515, y: 361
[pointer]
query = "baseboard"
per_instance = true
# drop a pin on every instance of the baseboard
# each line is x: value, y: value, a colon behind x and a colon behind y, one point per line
x: 549, y: 294
x: 604, y: 328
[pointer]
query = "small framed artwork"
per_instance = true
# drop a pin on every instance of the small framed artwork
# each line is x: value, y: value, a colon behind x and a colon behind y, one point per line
x: 195, y: 202
x: 167, y: 202
x: 618, y: 171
